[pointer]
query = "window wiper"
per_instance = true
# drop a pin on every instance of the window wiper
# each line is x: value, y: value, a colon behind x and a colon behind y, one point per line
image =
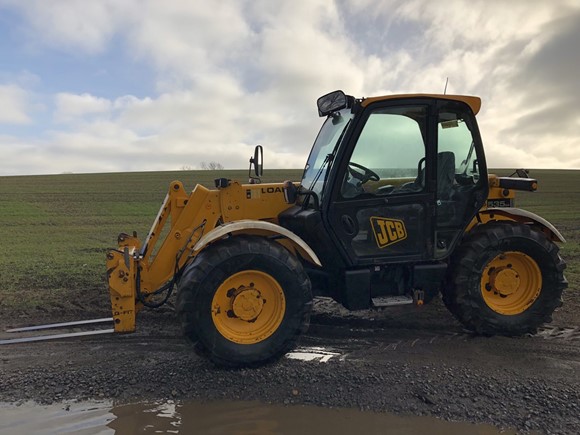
x: 326, y: 160
x: 329, y: 157
x: 465, y: 163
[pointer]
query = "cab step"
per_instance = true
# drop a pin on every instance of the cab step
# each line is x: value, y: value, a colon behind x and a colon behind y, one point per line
x: 389, y: 301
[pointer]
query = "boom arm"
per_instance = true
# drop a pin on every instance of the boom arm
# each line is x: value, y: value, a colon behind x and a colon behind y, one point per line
x: 135, y: 271
x: 139, y: 272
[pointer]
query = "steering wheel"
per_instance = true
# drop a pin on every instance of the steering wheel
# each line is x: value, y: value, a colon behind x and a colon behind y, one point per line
x: 366, y: 175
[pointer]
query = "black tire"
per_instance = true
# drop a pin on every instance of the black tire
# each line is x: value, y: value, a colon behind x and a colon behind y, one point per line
x: 471, y: 266
x: 212, y: 268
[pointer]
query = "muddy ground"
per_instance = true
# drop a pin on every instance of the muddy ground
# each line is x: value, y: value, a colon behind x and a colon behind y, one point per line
x: 406, y: 360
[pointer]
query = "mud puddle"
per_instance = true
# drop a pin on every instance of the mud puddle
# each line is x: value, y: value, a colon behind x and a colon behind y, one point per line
x: 236, y: 418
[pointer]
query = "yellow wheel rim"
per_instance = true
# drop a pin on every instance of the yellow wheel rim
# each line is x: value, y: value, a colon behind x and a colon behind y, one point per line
x: 511, y: 283
x: 248, y: 307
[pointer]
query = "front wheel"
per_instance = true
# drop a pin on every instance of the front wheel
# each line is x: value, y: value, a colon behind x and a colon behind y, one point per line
x: 505, y: 278
x: 244, y: 301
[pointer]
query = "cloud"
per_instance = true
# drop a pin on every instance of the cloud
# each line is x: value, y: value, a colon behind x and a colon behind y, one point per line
x: 69, y: 25
x: 15, y: 102
x: 521, y: 59
x: 69, y: 107
x: 549, y: 82
x: 188, y: 39
x: 230, y: 74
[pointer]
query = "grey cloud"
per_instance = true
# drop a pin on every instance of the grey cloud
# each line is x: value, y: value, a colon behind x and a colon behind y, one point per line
x: 379, y: 33
x: 549, y: 81
x: 251, y: 71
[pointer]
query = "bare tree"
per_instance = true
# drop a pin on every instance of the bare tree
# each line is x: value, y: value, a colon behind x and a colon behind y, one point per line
x: 187, y: 168
x: 211, y: 166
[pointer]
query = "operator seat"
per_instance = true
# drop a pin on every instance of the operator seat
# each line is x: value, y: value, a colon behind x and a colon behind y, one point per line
x: 445, y: 175
x: 446, y: 201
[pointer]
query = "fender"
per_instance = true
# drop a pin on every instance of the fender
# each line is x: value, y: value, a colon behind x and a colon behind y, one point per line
x: 258, y: 227
x: 518, y: 215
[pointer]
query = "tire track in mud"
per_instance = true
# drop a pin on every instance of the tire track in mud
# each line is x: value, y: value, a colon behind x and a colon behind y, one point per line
x: 559, y: 333
x: 344, y: 342
x: 357, y: 340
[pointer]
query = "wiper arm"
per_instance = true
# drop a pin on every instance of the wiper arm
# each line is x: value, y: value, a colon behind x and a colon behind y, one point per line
x: 327, y: 159
x: 465, y: 163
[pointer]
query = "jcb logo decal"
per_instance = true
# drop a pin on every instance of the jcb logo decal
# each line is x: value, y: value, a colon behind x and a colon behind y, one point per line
x: 388, y: 231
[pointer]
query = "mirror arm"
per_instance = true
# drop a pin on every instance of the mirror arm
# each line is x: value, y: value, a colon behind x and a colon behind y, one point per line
x: 258, y: 162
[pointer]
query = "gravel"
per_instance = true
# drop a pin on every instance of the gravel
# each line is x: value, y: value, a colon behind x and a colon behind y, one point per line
x: 529, y: 384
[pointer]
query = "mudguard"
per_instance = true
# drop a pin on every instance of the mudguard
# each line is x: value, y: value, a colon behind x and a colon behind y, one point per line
x: 258, y: 227
x: 519, y: 215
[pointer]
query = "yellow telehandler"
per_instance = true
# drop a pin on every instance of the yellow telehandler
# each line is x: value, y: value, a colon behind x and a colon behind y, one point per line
x: 395, y: 206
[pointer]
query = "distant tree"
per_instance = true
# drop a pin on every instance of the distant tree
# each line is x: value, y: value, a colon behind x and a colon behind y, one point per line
x: 211, y: 166
x: 186, y: 168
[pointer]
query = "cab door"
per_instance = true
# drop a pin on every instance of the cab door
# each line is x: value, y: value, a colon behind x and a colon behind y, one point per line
x: 461, y: 174
x: 381, y: 206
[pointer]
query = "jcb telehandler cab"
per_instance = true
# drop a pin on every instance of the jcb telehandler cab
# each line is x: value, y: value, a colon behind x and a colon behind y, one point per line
x: 395, y: 206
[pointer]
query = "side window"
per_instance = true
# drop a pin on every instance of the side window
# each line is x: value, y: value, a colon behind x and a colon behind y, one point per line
x: 457, y: 146
x: 389, y: 156
x: 457, y: 168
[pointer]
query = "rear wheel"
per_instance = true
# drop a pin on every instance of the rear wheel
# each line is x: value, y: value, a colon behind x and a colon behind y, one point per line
x: 505, y: 278
x: 244, y: 301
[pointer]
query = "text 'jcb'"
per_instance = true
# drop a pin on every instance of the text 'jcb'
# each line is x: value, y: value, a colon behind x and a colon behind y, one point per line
x: 388, y: 231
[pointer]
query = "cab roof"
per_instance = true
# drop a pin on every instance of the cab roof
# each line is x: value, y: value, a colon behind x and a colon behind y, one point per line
x: 473, y: 102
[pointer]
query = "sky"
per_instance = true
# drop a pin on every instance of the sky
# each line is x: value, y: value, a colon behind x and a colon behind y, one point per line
x: 148, y: 85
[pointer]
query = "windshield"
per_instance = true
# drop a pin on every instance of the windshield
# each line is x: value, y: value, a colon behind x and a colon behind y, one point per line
x: 323, y: 151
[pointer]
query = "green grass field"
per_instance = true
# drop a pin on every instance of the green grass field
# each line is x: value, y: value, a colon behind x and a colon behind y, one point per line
x: 56, y: 229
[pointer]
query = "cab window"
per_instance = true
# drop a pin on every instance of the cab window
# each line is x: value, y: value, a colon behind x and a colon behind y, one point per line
x: 389, y: 155
x: 455, y: 139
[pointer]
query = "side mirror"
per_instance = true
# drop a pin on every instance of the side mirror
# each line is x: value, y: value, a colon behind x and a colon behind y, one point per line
x: 258, y: 163
x: 331, y: 103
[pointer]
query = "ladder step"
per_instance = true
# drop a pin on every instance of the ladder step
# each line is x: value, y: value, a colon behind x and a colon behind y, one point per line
x: 388, y: 301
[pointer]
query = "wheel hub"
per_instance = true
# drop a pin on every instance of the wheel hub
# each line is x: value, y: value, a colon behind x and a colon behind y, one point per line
x: 505, y: 281
x: 248, y: 307
x: 247, y: 304
x: 511, y: 282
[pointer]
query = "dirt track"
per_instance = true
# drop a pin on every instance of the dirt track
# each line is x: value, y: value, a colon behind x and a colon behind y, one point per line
x: 401, y: 359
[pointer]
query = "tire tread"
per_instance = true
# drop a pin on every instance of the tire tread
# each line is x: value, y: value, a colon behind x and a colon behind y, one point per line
x: 244, y: 249
x: 463, y: 297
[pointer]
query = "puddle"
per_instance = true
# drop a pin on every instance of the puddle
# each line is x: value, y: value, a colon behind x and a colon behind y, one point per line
x: 319, y: 354
x: 235, y: 418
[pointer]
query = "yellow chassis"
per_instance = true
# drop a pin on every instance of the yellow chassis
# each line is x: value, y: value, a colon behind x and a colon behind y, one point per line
x: 190, y: 222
